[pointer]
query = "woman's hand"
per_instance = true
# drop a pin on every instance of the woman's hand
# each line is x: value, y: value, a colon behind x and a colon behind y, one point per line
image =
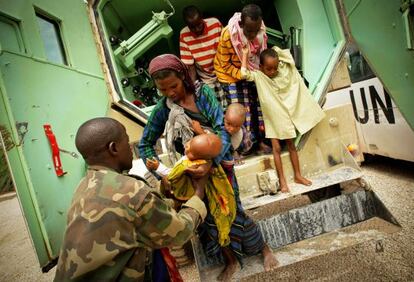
x: 238, y: 159
x: 197, y: 127
x: 199, y: 171
x: 245, y: 50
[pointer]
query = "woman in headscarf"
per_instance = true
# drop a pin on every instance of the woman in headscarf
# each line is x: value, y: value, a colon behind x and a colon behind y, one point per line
x: 183, y: 102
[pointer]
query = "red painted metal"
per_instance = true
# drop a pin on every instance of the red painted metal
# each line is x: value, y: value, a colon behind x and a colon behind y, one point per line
x: 55, y: 150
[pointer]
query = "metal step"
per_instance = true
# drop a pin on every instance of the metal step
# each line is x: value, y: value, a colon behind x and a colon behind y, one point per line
x: 312, y: 221
x: 322, y: 180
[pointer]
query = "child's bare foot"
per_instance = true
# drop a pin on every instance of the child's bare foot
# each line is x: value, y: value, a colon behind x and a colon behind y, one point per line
x: 227, y: 272
x: 284, y: 188
x: 270, y: 262
x: 302, y: 180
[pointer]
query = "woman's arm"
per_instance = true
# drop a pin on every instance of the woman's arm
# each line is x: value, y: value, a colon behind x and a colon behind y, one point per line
x: 153, y: 131
x: 210, y: 108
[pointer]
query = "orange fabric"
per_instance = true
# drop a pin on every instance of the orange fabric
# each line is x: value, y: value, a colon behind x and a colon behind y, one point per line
x: 226, y: 63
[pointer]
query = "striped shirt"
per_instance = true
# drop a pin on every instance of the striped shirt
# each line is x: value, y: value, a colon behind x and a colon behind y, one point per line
x: 226, y: 63
x: 200, y: 50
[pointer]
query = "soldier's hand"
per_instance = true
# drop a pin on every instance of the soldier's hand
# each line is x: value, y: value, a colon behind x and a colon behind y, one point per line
x: 167, y: 187
x: 200, y: 184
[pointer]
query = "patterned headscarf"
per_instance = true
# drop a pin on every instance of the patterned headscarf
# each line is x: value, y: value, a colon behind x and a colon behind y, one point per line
x: 171, y: 62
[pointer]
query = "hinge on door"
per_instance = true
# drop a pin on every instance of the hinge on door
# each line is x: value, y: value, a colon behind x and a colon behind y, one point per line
x: 21, y: 128
x: 407, y: 10
x: 7, y: 139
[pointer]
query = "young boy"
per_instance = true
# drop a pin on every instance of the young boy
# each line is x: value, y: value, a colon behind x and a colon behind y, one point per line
x: 114, y: 220
x: 199, y: 150
x: 233, y: 123
x: 245, y: 28
x: 287, y: 105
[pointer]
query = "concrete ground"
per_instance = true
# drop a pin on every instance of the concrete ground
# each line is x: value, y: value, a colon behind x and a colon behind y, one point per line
x: 392, y: 181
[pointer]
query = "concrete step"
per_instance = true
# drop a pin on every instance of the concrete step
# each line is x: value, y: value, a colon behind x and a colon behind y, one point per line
x: 312, y: 230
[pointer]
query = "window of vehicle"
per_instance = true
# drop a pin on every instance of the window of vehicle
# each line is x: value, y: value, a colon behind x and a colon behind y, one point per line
x: 52, y: 39
x: 10, y: 35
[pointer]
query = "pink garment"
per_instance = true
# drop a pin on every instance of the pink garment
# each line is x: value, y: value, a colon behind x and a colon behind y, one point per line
x: 238, y: 40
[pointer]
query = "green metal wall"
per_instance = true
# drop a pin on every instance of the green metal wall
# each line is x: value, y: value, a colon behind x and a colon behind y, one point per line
x: 378, y: 28
x: 321, y: 37
x: 36, y: 91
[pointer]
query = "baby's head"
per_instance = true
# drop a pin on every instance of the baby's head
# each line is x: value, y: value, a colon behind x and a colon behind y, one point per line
x: 269, y: 62
x: 203, y: 147
x: 234, y: 118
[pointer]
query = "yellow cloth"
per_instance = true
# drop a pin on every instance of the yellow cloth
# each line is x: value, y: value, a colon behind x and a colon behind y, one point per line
x: 285, y: 100
x: 219, y: 192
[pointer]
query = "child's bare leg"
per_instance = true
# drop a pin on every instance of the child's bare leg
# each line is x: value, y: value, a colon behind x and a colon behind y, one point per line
x: 295, y: 163
x: 269, y: 260
x: 278, y: 164
x: 231, y: 265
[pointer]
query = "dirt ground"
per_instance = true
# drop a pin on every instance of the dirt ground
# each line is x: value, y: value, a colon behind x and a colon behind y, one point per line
x: 392, y: 181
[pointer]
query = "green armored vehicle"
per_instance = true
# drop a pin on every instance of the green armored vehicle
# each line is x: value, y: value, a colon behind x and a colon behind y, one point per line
x: 63, y: 62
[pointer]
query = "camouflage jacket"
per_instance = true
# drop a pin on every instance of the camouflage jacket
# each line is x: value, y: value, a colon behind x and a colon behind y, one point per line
x: 114, y: 222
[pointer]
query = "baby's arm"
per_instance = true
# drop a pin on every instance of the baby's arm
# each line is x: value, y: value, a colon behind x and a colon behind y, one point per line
x: 159, y: 167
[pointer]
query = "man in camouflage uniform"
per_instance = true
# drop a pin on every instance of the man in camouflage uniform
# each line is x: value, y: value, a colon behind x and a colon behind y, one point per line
x: 114, y: 220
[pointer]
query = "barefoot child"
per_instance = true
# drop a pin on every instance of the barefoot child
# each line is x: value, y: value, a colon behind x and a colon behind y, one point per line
x: 286, y: 105
x: 233, y: 123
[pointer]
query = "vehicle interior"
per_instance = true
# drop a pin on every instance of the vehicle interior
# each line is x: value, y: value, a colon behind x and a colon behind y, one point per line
x: 133, y: 33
